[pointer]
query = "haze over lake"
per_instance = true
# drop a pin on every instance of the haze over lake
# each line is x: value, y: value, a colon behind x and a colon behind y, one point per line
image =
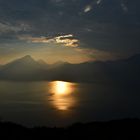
x: 60, y: 103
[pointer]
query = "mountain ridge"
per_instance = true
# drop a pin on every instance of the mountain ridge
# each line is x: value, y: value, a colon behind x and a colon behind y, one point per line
x: 26, y: 68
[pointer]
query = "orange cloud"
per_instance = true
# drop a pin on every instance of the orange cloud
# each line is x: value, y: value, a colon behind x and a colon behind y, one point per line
x: 66, y: 40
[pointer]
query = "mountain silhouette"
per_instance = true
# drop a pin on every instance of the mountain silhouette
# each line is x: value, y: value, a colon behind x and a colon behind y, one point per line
x: 22, y: 68
x: 42, y: 62
x: 26, y: 68
x: 26, y: 62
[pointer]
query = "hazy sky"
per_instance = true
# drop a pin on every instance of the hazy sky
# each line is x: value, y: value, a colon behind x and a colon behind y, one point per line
x: 69, y: 30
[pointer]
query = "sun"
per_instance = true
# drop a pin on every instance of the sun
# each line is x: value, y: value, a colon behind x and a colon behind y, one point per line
x: 61, y: 87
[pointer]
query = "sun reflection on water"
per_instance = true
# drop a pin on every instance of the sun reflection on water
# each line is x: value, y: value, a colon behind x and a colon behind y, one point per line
x: 62, y: 95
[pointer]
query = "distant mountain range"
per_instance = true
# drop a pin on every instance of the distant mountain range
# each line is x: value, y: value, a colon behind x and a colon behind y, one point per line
x: 27, y: 69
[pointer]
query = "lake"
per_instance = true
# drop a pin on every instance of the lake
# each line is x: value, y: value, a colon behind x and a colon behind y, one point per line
x: 60, y: 103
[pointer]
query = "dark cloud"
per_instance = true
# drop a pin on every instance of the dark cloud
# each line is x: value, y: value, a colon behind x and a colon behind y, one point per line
x: 107, y: 25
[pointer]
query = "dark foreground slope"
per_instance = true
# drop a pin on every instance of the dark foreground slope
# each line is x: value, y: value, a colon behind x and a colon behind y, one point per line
x: 112, y: 130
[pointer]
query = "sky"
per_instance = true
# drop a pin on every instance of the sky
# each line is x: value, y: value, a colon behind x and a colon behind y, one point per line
x: 69, y: 30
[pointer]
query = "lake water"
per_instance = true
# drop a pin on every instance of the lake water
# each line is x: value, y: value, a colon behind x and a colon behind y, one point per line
x: 60, y: 103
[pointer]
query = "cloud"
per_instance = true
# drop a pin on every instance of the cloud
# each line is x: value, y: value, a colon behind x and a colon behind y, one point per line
x: 88, y: 8
x: 66, y: 40
x: 57, y: 1
x: 7, y: 27
x: 35, y: 39
x: 106, y: 29
x: 4, y: 28
x: 98, y: 2
x: 124, y: 7
x: 96, y: 54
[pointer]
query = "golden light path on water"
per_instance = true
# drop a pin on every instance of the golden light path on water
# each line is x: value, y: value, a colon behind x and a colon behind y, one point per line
x: 62, y: 95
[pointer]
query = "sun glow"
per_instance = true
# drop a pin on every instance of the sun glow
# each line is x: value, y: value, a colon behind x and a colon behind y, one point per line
x: 62, y: 95
x: 61, y: 87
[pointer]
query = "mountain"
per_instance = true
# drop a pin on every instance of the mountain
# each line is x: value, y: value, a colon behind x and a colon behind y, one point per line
x: 22, y: 68
x: 58, y: 64
x: 42, y: 62
x: 119, y: 71
x: 26, y: 62
x: 26, y: 68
